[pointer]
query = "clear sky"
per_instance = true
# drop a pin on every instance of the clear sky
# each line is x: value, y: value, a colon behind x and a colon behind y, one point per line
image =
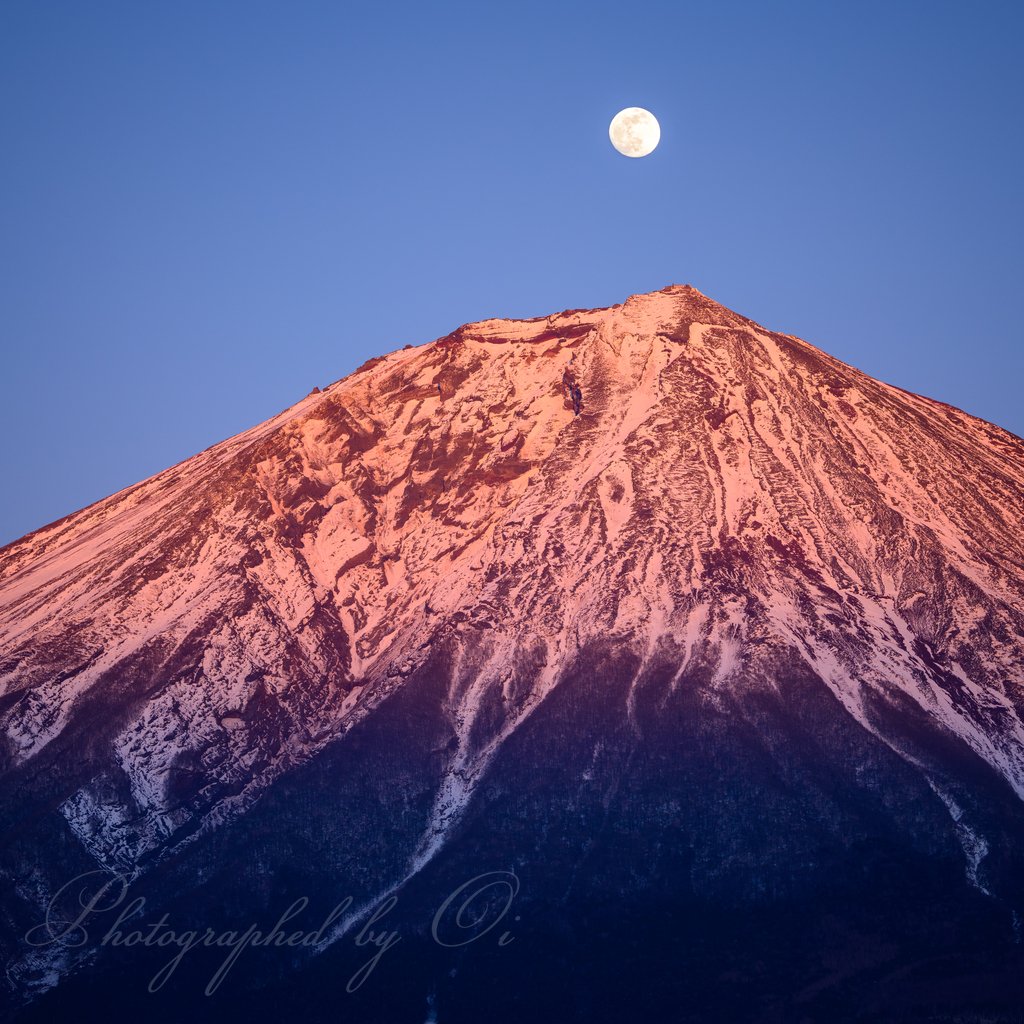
x: 209, y: 207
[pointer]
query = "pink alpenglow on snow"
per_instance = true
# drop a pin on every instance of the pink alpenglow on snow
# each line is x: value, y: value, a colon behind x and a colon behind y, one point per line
x: 729, y: 506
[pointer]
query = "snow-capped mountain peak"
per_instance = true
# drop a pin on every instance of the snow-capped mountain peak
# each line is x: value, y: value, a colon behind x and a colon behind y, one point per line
x: 728, y: 506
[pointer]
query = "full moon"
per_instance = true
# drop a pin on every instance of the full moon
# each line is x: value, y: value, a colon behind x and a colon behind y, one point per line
x: 634, y: 131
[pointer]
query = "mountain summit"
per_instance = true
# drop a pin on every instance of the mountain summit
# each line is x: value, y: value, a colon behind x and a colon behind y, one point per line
x: 646, y: 601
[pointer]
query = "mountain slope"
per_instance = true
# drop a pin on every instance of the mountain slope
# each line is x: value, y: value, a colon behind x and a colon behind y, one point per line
x: 738, y: 540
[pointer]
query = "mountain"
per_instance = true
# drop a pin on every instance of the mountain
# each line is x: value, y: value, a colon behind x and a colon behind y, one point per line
x: 703, y: 645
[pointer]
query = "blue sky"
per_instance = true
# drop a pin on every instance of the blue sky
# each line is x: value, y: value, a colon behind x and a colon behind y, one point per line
x: 208, y: 208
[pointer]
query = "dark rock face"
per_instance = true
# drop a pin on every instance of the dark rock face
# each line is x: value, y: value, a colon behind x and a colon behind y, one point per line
x: 715, y: 687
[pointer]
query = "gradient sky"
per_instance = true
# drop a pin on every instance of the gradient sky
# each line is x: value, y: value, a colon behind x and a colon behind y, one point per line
x: 209, y: 208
